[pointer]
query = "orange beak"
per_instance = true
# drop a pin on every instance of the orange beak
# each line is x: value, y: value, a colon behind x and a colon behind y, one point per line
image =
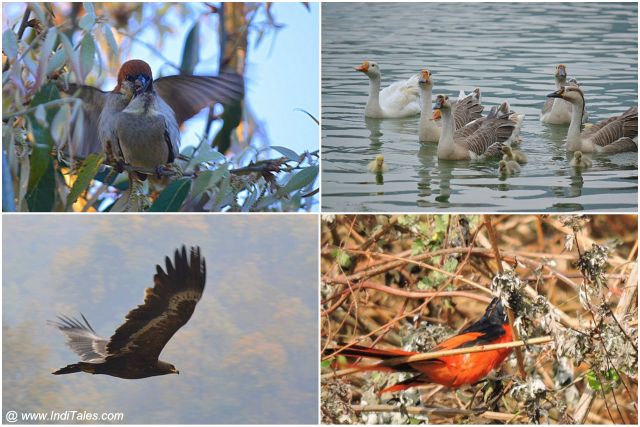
x: 424, y: 76
x: 364, y: 67
x: 436, y: 114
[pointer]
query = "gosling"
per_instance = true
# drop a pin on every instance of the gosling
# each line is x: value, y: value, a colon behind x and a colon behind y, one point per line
x: 514, y: 155
x: 579, y: 161
x: 377, y: 165
x: 508, y: 167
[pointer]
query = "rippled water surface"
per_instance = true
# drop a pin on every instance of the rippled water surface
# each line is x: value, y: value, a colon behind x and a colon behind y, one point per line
x: 508, y: 50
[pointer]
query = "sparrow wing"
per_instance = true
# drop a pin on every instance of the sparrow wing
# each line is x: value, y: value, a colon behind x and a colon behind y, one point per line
x: 187, y: 95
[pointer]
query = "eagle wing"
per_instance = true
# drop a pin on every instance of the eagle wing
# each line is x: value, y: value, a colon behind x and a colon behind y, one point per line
x: 167, y: 307
x: 82, y: 339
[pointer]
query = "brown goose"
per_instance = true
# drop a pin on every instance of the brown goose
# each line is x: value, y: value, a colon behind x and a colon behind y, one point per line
x: 613, y: 135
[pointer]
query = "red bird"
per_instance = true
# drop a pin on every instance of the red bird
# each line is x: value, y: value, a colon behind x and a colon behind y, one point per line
x: 450, y: 371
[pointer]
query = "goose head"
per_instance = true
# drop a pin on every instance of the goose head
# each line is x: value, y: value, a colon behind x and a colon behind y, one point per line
x: 369, y: 68
x: 561, y: 73
x: 379, y: 160
x: 507, y: 151
x: 442, y: 105
x: 573, y: 94
x: 577, y: 156
x: 425, y: 78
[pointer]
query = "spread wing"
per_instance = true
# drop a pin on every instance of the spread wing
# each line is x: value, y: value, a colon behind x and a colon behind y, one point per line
x: 187, y: 95
x: 82, y: 339
x: 167, y: 307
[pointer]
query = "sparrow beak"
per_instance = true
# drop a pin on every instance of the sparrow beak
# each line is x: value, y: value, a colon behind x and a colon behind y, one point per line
x: 556, y: 94
x: 141, y: 84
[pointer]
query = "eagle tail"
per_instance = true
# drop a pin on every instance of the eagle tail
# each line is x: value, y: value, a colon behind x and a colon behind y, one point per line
x: 69, y: 369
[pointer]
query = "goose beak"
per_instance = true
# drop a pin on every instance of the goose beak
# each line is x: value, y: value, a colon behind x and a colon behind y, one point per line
x: 438, y: 104
x: 436, y: 114
x: 364, y: 67
x: 562, y: 71
x: 556, y: 94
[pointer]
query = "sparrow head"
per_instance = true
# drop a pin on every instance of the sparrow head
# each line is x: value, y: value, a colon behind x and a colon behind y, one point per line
x: 134, y: 78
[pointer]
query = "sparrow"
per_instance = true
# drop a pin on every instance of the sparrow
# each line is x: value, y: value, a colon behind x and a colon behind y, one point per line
x: 137, y: 123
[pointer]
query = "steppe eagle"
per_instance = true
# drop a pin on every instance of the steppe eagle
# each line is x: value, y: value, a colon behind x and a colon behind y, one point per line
x: 133, y: 350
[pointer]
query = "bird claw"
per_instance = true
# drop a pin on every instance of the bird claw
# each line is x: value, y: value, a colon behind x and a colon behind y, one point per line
x: 170, y: 169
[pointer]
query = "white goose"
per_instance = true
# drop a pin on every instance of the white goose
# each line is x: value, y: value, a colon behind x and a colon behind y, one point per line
x: 398, y: 100
x: 558, y: 111
x: 580, y: 161
x: 484, y: 141
x: 613, y: 135
x: 468, y: 109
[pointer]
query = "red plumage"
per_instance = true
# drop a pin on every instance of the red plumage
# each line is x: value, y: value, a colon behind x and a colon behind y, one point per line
x: 133, y: 67
x: 450, y: 371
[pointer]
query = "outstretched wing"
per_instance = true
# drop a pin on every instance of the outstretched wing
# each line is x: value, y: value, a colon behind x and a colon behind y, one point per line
x: 187, y: 95
x: 82, y: 339
x: 167, y: 307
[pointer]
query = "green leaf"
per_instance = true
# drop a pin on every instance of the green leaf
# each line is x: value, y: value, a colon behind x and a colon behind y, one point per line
x: 205, y: 154
x: 191, y: 51
x: 111, y: 41
x: 287, y: 152
x: 10, y: 44
x: 170, y: 200
x: 72, y: 56
x: 341, y: 257
x: 87, y: 171
x: 56, y: 61
x: 41, y: 196
x: 87, y: 54
x: 301, y: 179
x: 87, y: 22
x: 417, y: 247
x: 208, y: 179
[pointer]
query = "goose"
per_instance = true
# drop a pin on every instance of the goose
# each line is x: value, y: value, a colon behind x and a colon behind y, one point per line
x: 467, y: 110
x: 398, y: 100
x: 377, y: 165
x: 515, y: 155
x: 558, y: 111
x: 508, y: 167
x: 484, y: 141
x: 517, y: 118
x: 614, y: 135
x: 580, y: 161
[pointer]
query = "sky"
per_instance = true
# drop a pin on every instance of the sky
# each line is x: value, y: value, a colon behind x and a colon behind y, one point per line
x: 247, y: 355
x: 282, y: 73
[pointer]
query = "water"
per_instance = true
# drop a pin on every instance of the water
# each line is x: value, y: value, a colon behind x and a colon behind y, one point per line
x: 508, y: 50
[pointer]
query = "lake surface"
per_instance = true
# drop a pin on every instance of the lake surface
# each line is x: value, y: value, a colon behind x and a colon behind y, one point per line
x: 508, y: 50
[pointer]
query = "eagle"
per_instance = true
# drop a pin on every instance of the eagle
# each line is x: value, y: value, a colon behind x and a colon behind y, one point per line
x: 133, y: 350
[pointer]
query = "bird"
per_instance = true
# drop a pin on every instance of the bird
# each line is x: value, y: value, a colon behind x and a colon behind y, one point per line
x: 484, y: 140
x: 558, y: 111
x: 398, y: 100
x: 515, y: 155
x: 377, y: 165
x: 614, y: 135
x: 449, y: 371
x: 508, y: 167
x: 468, y: 109
x: 178, y: 99
x: 132, y: 351
x: 580, y: 161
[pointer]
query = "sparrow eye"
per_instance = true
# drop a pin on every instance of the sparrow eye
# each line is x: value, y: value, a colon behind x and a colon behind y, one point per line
x: 131, y: 79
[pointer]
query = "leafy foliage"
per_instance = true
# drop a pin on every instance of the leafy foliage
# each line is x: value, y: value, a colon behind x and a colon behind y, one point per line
x: 51, y: 45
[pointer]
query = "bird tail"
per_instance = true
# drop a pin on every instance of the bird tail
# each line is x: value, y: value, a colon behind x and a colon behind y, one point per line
x: 69, y: 369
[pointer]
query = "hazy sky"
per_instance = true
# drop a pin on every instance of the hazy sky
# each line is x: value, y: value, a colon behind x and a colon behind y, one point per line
x: 248, y: 354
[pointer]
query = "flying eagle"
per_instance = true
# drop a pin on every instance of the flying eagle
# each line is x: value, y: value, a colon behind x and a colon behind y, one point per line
x: 133, y: 350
